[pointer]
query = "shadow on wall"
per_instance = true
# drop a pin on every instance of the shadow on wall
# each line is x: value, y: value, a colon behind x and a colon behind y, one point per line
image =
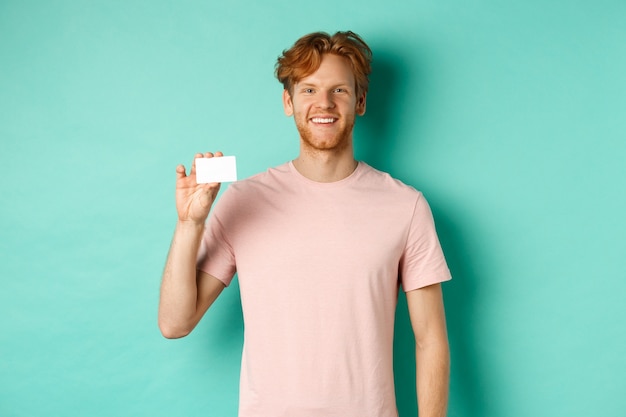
x: 226, y: 333
x: 373, y: 132
x: 461, y: 300
x: 377, y: 139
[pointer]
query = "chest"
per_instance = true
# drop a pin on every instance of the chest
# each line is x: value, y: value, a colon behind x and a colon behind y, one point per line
x: 321, y: 236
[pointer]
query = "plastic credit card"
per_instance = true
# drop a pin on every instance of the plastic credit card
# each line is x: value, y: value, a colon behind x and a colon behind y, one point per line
x: 216, y: 169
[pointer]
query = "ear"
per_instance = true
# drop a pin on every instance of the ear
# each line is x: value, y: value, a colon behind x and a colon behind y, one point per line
x: 360, y: 104
x: 287, y: 103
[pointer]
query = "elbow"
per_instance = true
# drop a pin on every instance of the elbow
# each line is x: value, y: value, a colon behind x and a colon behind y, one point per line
x: 173, y: 334
x: 170, y: 331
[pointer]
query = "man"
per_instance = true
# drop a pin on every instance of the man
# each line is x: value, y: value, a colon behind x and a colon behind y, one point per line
x: 321, y: 245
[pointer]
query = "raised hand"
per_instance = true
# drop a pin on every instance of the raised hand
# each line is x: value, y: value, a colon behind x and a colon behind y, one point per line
x: 194, y: 201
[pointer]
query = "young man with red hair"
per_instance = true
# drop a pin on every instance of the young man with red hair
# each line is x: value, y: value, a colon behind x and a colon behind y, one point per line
x: 321, y: 246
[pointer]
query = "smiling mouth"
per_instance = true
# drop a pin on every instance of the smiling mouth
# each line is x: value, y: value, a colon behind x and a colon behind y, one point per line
x: 323, y: 120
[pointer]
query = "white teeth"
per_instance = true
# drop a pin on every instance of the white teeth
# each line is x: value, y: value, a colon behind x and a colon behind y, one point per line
x: 322, y: 120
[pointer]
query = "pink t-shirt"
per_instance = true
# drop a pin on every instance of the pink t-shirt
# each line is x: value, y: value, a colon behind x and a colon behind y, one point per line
x: 319, y: 267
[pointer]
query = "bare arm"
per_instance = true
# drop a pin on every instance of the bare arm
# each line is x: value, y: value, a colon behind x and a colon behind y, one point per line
x: 432, y: 354
x: 186, y: 293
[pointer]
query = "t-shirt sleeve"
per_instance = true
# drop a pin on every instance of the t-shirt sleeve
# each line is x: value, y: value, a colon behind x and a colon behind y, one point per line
x: 423, y: 262
x: 215, y: 255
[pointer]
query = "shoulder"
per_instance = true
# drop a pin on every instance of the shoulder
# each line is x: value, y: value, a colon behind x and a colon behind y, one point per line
x: 384, y: 183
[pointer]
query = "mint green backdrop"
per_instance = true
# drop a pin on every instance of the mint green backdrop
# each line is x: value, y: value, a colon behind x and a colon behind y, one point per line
x: 509, y: 116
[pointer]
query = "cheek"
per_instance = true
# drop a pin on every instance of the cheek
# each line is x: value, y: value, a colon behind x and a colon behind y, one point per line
x: 301, y: 108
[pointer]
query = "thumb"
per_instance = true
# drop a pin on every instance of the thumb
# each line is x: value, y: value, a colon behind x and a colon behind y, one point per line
x: 180, y: 172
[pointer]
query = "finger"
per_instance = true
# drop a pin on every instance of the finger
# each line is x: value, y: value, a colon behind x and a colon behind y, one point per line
x: 199, y: 155
x: 193, y: 164
x: 180, y: 171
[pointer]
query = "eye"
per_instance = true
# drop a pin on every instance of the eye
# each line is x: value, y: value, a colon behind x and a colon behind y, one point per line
x: 339, y: 90
x: 308, y: 91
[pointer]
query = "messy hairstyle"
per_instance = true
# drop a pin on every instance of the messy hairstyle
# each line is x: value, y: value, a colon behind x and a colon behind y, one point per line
x: 305, y: 57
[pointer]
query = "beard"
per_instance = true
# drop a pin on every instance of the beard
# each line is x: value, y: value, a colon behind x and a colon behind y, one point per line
x: 330, y: 141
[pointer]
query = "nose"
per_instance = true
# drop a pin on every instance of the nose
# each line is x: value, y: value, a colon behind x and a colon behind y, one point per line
x: 325, y: 100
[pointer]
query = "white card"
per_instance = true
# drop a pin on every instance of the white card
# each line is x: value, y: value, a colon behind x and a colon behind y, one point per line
x: 216, y: 169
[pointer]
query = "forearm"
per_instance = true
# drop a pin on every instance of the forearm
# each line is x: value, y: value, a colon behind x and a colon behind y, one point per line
x: 179, y: 290
x: 432, y: 378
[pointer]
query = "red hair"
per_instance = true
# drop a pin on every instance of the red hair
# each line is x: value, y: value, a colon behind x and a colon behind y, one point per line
x: 305, y: 57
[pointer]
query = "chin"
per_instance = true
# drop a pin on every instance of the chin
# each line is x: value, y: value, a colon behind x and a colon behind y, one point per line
x: 331, y: 144
x: 339, y: 141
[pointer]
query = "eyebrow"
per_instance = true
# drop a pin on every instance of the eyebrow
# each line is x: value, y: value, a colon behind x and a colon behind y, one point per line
x: 315, y: 85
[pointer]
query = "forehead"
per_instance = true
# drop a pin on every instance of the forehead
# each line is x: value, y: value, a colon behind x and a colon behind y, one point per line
x: 333, y: 69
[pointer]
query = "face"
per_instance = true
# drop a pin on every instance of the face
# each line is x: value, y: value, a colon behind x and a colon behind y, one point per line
x: 325, y: 105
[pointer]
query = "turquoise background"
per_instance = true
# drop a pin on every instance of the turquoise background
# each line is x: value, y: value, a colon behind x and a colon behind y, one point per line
x: 509, y: 116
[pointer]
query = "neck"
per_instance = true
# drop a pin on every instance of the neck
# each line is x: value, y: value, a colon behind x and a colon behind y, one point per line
x: 325, y: 166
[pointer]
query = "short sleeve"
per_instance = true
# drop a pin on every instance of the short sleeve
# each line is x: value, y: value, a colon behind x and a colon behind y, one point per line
x: 423, y: 262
